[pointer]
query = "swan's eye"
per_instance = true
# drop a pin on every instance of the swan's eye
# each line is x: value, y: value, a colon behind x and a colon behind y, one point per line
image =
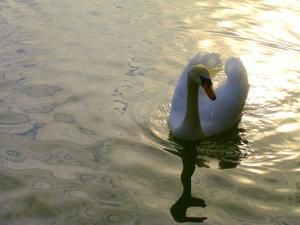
x: 206, y: 81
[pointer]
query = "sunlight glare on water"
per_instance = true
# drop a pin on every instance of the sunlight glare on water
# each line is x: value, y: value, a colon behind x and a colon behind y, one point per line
x: 85, y: 93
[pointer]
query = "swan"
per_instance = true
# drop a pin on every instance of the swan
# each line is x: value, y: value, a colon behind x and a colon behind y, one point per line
x: 197, y: 111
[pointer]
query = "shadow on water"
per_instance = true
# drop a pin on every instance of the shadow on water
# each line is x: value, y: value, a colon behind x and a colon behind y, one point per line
x: 228, y: 149
x: 178, y: 210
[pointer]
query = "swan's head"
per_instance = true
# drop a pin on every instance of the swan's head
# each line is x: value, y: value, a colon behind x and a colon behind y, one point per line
x: 201, y: 76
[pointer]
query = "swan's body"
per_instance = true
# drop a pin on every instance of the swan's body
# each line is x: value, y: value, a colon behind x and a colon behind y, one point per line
x: 193, y: 115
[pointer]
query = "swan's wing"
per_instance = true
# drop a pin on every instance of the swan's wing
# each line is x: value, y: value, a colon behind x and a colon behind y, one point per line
x: 235, y: 70
x: 222, y: 114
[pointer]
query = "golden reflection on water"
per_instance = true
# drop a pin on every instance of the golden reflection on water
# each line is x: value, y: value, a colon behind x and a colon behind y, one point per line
x: 289, y: 127
x: 269, y: 208
x: 284, y: 190
x: 244, y: 180
x: 270, y: 74
x: 265, y: 41
x: 205, y: 43
x: 296, y: 210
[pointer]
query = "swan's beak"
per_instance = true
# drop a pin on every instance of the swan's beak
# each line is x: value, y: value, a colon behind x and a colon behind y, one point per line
x: 210, y: 92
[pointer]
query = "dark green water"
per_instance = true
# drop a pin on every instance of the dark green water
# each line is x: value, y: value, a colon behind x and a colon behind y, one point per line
x: 85, y: 88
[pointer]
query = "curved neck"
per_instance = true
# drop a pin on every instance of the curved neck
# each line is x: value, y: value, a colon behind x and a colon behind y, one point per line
x: 190, y: 128
x: 192, y: 111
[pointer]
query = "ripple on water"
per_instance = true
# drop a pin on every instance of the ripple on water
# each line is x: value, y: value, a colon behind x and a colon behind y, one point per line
x: 41, y: 109
x: 278, y: 220
x: 63, y: 118
x: 219, y: 181
x: 39, y: 90
x: 49, y: 107
x: 100, y: 180
x: 117, y: 217
x: 116, y: 197
x: 14, y: 155
x: 245, y: 211
x: 33, y: 205
x: 8, y: 183
x: 262, y: 195
x: 41, y: 185
x: 13, y: 118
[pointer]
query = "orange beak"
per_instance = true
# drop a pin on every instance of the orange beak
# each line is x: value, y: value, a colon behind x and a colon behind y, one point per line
x: 209, y: 92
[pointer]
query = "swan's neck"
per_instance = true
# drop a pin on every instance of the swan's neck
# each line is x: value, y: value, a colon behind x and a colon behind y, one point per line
x: 192, y: 111
x: 190, y: 128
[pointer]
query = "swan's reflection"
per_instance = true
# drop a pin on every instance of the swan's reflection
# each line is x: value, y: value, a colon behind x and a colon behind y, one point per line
x: 178, y: 210
x: 228, y: 149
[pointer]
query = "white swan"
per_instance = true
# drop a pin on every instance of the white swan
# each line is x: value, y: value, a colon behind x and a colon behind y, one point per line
x: 197, y: 111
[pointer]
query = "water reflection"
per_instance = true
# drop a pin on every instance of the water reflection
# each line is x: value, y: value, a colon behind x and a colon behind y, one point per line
x: 178, y: 210
x: 228, y: 150
x: 77, y: 77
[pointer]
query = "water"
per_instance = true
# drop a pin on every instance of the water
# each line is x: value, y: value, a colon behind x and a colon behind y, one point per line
x: 84, y: 93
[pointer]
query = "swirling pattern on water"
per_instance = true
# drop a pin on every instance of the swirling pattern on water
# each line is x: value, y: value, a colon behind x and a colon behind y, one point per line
x: 85, y: 88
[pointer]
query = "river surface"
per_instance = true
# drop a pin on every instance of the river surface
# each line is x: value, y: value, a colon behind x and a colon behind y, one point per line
x: 85, y: 90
